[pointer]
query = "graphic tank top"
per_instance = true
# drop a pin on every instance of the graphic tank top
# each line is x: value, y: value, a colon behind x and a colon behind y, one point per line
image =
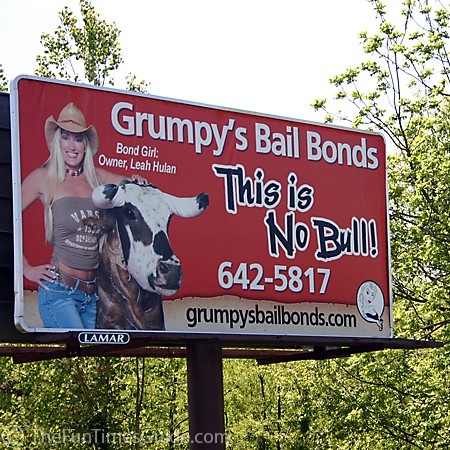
x: 74, y: 242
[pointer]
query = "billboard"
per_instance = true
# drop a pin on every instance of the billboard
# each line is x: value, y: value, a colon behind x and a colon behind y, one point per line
x: 205, y: 220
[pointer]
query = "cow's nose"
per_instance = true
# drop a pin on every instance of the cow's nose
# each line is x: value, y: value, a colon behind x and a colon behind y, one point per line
x: 164, y: 267
x: 170, y: 271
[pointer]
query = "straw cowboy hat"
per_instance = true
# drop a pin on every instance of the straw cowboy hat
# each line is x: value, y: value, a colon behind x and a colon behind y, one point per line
x: 71, y: 119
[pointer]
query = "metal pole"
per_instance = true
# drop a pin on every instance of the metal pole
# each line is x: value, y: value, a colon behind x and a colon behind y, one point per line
x: 205, y: 396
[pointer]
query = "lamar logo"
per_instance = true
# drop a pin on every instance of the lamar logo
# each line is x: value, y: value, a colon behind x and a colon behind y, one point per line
x: 103, y: 338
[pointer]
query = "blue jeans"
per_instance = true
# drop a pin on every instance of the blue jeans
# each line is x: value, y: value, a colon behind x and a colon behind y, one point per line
x: 61, y: 306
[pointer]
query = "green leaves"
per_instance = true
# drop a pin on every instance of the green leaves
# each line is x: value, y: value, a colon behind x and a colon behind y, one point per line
x: 86, y: 52
x: 3, y: 80
x: 400, y: 399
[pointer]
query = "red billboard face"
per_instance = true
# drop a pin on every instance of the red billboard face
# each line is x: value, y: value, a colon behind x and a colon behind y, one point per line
x: 251, y: 224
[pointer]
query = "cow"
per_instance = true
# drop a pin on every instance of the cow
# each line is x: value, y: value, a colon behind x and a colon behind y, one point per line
x: 137, y: 264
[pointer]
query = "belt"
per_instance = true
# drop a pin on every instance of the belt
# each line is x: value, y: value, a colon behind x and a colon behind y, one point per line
x: 89, y: 287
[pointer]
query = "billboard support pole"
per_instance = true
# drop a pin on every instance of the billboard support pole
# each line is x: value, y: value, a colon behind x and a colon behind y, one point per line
x: 205, y: 396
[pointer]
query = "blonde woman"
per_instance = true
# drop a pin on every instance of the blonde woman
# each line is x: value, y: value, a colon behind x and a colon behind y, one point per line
x: 67, y: 294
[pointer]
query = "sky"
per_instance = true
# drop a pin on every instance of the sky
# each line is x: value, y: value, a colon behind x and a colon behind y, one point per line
x: 272, y: 57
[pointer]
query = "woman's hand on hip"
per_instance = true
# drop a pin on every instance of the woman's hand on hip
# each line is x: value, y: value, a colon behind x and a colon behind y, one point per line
x: 37, y: 274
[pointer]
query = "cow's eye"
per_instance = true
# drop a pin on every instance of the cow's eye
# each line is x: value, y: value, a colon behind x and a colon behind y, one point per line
x: 129, y: 214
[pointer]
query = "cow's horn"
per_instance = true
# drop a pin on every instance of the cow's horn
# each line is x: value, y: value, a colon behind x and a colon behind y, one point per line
x: 108, y: 196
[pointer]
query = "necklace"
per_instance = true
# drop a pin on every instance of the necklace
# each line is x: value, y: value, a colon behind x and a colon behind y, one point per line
x: 74, y: 173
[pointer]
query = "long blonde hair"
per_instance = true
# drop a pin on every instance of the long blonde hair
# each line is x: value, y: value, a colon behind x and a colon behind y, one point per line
x: 57, y: 172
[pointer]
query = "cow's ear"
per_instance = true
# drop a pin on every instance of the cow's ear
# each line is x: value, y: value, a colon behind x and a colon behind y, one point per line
x: 107, y: 221
x: 108, y: 196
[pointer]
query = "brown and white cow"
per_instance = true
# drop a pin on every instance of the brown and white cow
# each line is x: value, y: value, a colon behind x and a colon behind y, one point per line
x: 137, y: 263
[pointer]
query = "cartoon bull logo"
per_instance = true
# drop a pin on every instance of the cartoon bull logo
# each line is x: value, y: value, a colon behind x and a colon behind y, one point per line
x: 370, y: 302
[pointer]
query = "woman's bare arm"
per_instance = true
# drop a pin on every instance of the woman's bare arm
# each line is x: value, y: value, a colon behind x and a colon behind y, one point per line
x: 32, y: 190
x: 33, y: 187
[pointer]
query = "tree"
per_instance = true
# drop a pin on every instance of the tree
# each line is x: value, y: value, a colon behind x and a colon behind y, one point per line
x: 3, y: 81
x: 87, y: 53
x: 402, y: 90
x: 398, y: 399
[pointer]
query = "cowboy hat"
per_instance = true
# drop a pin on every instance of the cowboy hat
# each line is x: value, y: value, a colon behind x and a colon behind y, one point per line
x: 71, y: 119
